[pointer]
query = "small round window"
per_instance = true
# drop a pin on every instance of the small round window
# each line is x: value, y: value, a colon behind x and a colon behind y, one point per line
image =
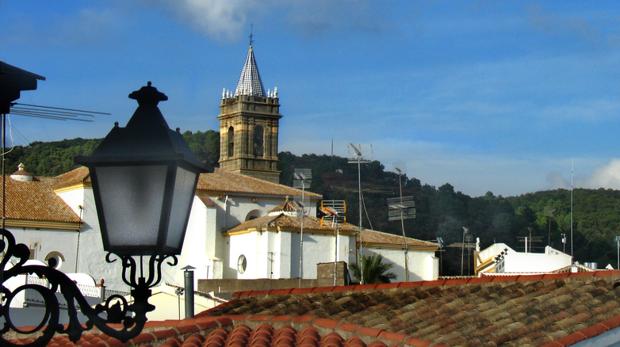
x: 54, y: 259
x: 242, y: 264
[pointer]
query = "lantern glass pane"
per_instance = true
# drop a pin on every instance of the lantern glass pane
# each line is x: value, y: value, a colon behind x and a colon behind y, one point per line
x: 132, y: 198
x: 184, y: 186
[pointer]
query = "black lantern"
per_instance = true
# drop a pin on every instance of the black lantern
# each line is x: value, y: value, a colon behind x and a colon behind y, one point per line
x: 144, y: 177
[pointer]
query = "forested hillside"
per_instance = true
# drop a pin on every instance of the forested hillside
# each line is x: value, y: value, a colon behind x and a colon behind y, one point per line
x: 441, y: 211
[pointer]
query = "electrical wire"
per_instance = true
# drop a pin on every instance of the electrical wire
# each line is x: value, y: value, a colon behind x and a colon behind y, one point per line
x: 62, y: 109
x: 54, y: 113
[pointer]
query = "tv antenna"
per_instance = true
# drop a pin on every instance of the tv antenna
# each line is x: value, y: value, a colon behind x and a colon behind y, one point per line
x: 357, y: 157
x: 302, y: 178
x: 529, y: 240
x: 401, y: 208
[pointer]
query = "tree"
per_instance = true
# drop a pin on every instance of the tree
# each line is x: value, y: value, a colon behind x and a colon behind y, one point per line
x: 375, y: 270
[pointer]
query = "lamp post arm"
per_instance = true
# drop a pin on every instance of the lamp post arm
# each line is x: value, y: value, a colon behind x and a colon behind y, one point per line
x: 115, y: 309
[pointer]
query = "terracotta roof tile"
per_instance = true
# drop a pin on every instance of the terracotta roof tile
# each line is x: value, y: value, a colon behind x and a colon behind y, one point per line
x: 514, y: 310
x: 379, y: 238
x: 74, y: 177
x: 275, y: 222
x: 229, y: 182
x: 214, y: 183
x: 529, y: 310
x: 35, y: 201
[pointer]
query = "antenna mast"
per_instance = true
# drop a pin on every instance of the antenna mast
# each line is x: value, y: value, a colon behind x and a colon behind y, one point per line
x: 302, y: 178
x: 359, y: 159
x: 401, y: 208
x: 572, y: 187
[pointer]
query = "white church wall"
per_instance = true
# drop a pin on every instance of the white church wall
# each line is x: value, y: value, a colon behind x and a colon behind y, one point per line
x: 74, y: 198
x: 91, y: 255
x: 38, y: 240
x: 321, y: 249
x: 216, y: 245
x: 423, y: 265
x: 293, y: 251
x: 194, y: 251
x: 247, y: 245
x: 276, y: 255
x: 283, y: 254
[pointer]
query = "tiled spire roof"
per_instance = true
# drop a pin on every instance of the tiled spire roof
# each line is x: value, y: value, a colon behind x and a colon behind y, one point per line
x: 249, y: 81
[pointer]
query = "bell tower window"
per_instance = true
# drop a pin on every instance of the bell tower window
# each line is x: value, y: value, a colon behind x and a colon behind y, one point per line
x: 258, y: 141
x: 231, y: 141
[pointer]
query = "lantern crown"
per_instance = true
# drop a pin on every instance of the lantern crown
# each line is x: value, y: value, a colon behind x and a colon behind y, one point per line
x: 148, y: 95
x: 146, y: 136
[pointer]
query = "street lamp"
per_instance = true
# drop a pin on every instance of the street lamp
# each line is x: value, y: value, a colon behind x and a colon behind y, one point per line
x: 143, y: 178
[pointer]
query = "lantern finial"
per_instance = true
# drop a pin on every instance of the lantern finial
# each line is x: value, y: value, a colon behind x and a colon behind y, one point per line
x: 148, y: 95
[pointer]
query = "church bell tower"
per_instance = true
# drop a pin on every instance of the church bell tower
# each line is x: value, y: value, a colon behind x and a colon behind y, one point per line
x: 249, y: 120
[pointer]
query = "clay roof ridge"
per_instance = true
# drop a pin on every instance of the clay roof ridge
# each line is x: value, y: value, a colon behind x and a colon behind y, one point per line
x: 438, y: 282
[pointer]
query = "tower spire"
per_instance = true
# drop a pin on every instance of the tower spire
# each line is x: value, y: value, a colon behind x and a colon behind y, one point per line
x: 249, y: 81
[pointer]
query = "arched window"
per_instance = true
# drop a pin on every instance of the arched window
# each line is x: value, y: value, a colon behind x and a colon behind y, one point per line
x: 55, y: 259
x: 231, y: 141
x: 258, y: 141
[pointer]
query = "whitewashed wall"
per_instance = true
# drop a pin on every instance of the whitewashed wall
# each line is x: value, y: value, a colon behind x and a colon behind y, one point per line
x: 45, y: 241
x: 423, y: 265
x: 91, y: 255
x: 194, y: 251
x: 536, y: 262
x: 551, y: 260
x: 279, y: 252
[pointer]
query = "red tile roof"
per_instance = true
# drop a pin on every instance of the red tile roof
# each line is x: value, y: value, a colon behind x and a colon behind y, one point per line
x: 550, y: 310
x: 222, y: 182
x: 35, y: 203
x: 379, y: 239
x: 214, y: 183
x: 515, y: 310
x: 236, y: 331
x: 276, y: 222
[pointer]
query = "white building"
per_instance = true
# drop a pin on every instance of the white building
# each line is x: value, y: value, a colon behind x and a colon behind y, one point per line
x: 500, y: 258
x: 240, y: 225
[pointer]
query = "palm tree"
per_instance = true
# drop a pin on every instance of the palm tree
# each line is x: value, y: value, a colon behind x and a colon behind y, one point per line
x: 375, y: 270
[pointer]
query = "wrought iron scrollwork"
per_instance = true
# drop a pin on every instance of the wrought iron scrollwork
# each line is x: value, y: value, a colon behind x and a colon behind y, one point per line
x: 115, y: 311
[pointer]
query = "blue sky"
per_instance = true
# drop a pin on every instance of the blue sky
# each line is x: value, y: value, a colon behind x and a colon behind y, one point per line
x: 487, y: 95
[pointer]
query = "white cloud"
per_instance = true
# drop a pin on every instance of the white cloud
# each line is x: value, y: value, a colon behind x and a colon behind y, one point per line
x: 607, y: 176
x: 229, y: 19
x: 223, y: 19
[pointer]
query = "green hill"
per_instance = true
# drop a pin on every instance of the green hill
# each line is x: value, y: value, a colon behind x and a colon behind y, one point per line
x: 441, y: 211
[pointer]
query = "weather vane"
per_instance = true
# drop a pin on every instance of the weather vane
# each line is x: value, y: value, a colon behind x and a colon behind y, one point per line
x: 251, y: 34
